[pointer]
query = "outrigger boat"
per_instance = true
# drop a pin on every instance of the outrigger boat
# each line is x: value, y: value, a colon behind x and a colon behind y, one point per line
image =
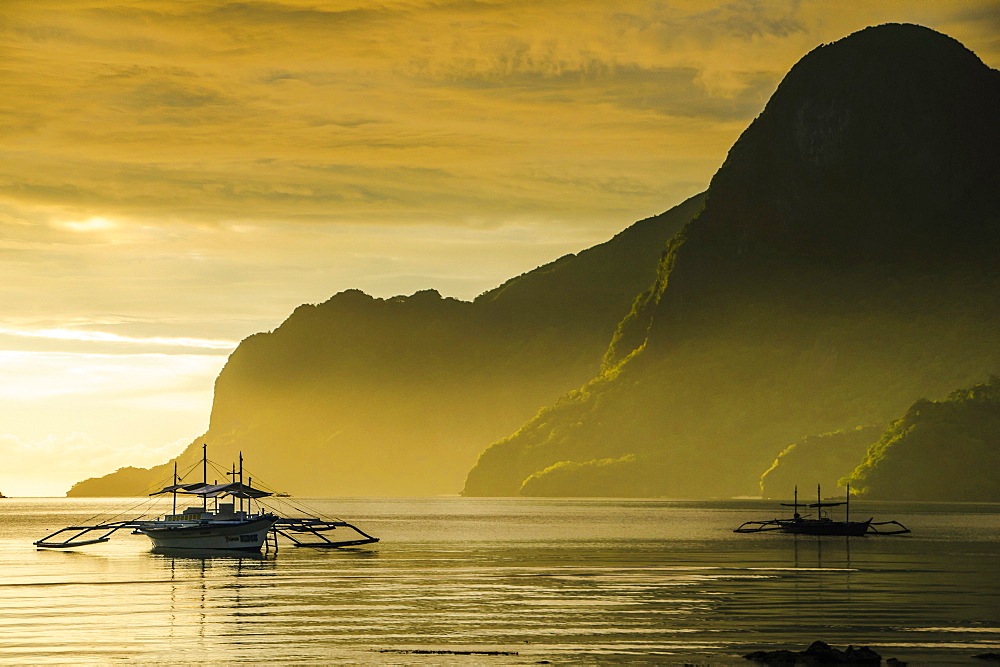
x: 823, y: 525
x: 230, y: 526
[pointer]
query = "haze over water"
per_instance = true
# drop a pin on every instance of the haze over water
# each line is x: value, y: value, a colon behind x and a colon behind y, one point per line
x: 556, y: 580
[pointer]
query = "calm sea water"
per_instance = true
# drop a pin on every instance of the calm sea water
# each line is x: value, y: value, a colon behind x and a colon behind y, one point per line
x: 593, y: 581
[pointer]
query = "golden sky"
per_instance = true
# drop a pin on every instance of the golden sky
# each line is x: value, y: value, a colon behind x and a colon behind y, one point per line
x: 178, y: 174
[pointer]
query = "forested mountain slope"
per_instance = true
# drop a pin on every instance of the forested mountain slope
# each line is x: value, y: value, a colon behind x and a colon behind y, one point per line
x: 843, y: 266
x: 938, y: 450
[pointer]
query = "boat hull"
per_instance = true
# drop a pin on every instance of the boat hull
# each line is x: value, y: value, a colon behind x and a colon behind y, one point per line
x: 807, y: 527
x: 246, y: 535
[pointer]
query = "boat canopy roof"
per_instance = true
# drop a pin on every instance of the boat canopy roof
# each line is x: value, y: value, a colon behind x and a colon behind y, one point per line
x: 237, y: 489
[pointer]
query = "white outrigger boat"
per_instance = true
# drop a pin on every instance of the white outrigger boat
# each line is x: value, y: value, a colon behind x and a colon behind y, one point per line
x: 229, y: 526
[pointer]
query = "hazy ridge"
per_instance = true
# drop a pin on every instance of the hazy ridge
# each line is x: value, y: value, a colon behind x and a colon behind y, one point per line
x: 821, y: 459
x: 367, y: 396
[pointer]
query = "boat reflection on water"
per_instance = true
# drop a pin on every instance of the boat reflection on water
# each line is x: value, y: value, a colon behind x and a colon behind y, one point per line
x: 210, y: 554
x: 818, y: 552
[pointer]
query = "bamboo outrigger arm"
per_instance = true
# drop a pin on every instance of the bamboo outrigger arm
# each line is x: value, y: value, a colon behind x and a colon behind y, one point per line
x: 293, y: 529
x: 898, y: 531
x: 76, y: 541
x: 759, y: 526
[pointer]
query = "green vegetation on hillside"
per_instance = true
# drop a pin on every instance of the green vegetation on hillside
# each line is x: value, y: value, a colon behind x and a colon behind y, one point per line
x: 938, y: 450
x: 606, y: 478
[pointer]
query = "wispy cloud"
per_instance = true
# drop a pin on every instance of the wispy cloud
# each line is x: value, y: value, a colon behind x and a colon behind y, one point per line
x: 195, y: 112
x: 105, y: 337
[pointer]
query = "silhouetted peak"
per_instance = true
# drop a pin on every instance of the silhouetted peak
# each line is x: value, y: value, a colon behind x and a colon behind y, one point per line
x: 425, y: 296
x: 896, y: 48
x: 350, y: 297
x: 865, y: 151
x: 354, y: 300
x: 883, y: 94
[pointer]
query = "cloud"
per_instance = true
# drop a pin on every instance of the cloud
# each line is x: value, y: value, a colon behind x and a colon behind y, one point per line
x: 113, y: 375
x: 199, y: 126
x: 195, y: 112
x: 178, y: 123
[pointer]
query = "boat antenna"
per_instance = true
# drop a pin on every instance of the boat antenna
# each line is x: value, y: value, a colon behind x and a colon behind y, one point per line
x: 795, y: 502
x: 819, y: 503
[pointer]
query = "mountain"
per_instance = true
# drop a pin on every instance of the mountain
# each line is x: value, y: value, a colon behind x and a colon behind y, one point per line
x: 366, y: 396
x: 844, y: 264
x: 939, y: 450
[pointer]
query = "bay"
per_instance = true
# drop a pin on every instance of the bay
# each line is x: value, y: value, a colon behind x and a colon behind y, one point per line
x: 509, y: 581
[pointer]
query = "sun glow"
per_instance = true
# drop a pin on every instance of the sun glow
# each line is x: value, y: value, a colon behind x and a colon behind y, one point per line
x: 94, y: 224
x: 78, y: 415
x: 48, y: 467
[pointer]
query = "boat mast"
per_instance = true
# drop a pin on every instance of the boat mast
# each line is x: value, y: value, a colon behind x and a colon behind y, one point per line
x: 174, y: 509
x: 819, y: 503
x: 241, y: 482
x: 847, y: 512
x: 795, y: 502
x: 204, y: 472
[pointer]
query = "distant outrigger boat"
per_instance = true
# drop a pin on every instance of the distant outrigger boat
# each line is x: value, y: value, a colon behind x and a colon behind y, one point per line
x: 820, y: 524
x: 231, y: 526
